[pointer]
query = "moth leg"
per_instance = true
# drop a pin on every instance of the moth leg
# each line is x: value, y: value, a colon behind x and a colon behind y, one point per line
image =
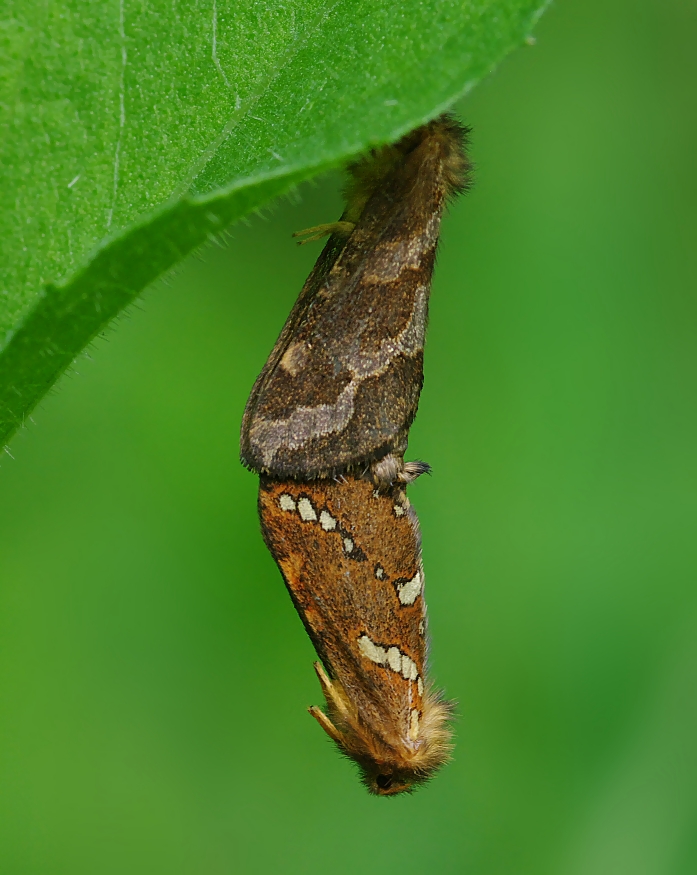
x: 326, y: 724
x: 331, y: 693
x: 334, y: 701
x: 319, y: 231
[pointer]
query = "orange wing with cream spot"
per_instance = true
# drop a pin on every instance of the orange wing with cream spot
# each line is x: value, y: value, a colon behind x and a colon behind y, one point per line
x: 350, y: 555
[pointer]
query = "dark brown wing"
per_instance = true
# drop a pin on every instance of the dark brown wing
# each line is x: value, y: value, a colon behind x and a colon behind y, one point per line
x: 342, y: 385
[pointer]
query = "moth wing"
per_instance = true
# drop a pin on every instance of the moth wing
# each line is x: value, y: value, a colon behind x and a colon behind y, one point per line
x: 353, y: 568
x: 342, y: 384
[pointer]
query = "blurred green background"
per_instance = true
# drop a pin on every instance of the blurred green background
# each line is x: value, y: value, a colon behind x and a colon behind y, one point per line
x: 153, y: 674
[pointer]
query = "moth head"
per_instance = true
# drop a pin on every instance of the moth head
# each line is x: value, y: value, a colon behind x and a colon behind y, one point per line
x: 384, y: 779
x: 390, y: 762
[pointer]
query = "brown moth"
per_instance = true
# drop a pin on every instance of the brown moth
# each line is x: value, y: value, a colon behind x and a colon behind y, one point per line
x: 342, y: 383
x: 326, y: 426
x: 350, y: 554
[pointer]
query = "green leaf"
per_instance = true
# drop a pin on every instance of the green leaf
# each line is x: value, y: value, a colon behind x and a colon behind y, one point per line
x: 133, y: 133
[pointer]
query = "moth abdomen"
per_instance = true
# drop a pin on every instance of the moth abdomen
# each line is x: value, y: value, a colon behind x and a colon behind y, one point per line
x: 391, y: 469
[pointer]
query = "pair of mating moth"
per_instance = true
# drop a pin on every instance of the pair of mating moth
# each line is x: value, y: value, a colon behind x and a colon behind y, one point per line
x: 326, y: 428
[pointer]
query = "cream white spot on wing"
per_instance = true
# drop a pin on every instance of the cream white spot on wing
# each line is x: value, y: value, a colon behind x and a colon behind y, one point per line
x: 286, y: 502
x: 399, y: 662
x: 409, y: 592
x: 372, y: 651
x: 327, y: 521
x: 422, y: 626
x: 380, y: 572
x: 409, y: 670
x: 294, y: 358
x: 348, y: 545
x: 306, y: 510
x: 398, y: 510
x: 414, y: 725
x: 394, y: 659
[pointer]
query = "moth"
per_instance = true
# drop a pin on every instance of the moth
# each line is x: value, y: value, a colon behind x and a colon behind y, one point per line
x: 351, y: 557
x: 342, y: 383
x: 326, y: 427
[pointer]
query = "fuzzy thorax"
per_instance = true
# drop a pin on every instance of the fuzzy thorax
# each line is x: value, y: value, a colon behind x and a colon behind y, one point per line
x: 444, y: 135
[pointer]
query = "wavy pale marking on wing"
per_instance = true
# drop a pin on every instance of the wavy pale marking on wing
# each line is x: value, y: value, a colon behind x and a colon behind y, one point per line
x: 270, y: 435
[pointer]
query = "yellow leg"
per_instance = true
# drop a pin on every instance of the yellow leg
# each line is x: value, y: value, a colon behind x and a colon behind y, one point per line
x: 326, y: 724
x: 319, y: 231
x: 331, y: 694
